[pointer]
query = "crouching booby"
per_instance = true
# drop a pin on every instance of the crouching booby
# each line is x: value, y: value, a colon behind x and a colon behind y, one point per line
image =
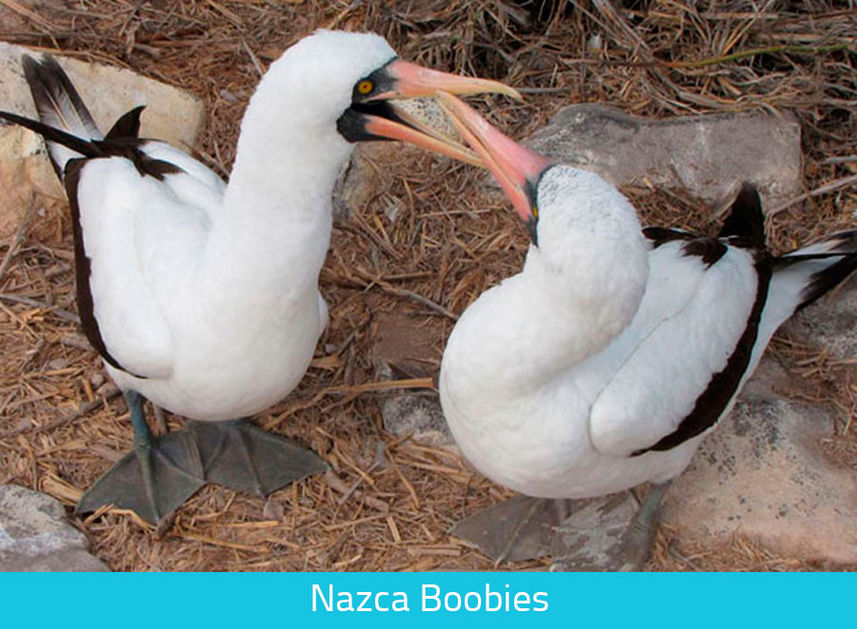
x: 606, y: 360
x: 203, y: 296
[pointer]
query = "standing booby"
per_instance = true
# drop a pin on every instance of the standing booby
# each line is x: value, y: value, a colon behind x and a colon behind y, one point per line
x: 203, y: 296
x: 606, y: 360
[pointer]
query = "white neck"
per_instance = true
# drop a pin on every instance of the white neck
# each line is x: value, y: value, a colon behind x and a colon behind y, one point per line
x: 274, y: 227
x: 578, y: 290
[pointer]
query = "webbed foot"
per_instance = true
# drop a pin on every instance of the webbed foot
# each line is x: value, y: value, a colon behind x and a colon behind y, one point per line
x: 152, y: 480
x: 242, y: 456
x: 610, y: 533
x: 517, y: 529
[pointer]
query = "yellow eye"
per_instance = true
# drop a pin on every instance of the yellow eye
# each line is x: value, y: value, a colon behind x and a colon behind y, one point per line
x: 535, y: 211
x: 364, y: 87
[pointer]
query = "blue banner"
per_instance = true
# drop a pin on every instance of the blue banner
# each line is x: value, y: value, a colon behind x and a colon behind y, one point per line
x: 426, y: 599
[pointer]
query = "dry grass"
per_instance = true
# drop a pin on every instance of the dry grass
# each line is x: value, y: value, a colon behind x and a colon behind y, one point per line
x: 389, y: 502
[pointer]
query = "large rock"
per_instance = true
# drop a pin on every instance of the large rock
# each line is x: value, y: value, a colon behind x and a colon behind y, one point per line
x: 705, y: 157
x: 831, y: 322
x: 764, y: 473
x: 36, y: 537
x: 171, y: 114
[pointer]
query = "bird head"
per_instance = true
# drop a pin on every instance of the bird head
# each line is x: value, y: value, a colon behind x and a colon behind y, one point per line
x: 572, y: 215
x: 356, y: 82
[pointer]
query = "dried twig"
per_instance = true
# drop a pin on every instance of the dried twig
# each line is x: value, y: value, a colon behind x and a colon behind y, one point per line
x: 83, y: 410
x: 829, y: 187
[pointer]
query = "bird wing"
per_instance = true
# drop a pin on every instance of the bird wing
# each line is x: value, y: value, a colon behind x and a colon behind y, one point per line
x: 677, y: 366
x: 141, y: 216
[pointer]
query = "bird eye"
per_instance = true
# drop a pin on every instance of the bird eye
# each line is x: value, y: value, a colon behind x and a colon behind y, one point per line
x: 365, y: 86
x: 535, y: 211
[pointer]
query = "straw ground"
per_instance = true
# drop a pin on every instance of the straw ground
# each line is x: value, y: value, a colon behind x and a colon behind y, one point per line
x: 428, y: 237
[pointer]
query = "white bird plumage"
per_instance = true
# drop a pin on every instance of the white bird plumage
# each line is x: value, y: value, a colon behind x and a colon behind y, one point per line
x: 605, y: 361
x: 203, y: 296
x: 210, y: 291
x: 598, y: 348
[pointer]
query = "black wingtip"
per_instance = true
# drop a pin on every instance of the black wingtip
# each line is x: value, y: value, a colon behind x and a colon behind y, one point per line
x: 85, y: 148
x: 745, y: 218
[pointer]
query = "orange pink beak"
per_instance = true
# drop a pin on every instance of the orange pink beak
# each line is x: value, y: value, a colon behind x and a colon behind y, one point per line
x: 516, y: 168
x: 375, y: 115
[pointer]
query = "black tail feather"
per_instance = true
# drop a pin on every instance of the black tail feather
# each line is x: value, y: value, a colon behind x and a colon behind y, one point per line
x: 745, y: 218
x: 828, y: 279
x: 56, y: 98
x: 834, y: 257
x: 128, y: 125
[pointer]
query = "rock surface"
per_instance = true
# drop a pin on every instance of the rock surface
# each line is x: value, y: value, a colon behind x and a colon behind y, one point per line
x: 171, y: 114
x: 764, y: 473
x: 831, y: 322
x: 36, y: 537
x: 705, y: 157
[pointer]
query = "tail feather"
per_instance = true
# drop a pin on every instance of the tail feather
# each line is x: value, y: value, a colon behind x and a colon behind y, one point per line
x: 745, y: 218
x: 57, y: 101
x: 59, y: 106
x: 802, y: 276
x: 81, y: 148
x: 821, y: 266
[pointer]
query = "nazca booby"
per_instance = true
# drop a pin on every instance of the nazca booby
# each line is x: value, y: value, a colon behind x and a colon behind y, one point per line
x: 202, y: 296
x: 605, y: 361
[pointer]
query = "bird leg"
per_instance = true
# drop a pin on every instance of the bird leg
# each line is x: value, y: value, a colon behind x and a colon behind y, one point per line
x: 636, y: 545
x: 152, y: 480
x: 244, y: 457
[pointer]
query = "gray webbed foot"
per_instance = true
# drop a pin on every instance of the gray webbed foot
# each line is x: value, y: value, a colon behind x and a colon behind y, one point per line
x: 152, y: 480
x: 611, y: 533
x: 242, y: 456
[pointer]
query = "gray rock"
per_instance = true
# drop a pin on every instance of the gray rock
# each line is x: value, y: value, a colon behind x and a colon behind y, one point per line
x: 592, y: 537
x: 359, y: 181
x: 705, y: 157
x: 831, y: 322
x: 764, y: 474
x: 171, y: 114
x: 36, y: 537
x: 417, y: 414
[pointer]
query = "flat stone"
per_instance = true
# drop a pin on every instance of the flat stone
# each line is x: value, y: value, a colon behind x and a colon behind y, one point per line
x: 591, y: 538
x: 703, y: 157
x: 35, y: 535
x: 171, y: 114
x: 764, y: 473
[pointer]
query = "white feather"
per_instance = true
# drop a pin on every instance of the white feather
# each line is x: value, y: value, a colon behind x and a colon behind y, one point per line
x: 209, y: 290
x: 600, y: 347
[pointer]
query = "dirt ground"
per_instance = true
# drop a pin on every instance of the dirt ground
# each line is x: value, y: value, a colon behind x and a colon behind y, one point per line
x: 429, y: 240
